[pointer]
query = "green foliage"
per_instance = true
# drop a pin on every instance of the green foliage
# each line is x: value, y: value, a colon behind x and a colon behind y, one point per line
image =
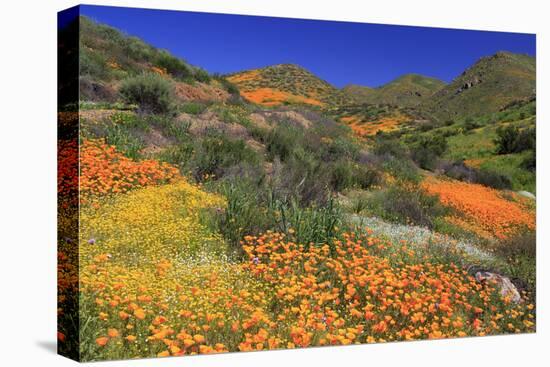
x: 427, y: 150
x: 493, y: 179
x: 253, y: 209
x: 530, y: 162
x: 406, y: 91
x: 151, y: 92
x: 227, y: 85
x: 201, y: 75
x: 106, y: 54
x: 192, y: 108
x: 179, y: 155
x: 510, y: 139
x: 492, y: 82
x: 402, y: 169
x: 346, y: 174
x: 407, y: 204
x: 173, y: 65
x: 389, y: 147
x: 94, y: 64
x: 282, y: 141
x: 519, y: 254
x: 216, y: 153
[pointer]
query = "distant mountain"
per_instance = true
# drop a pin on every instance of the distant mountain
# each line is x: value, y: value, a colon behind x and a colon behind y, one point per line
x: 408, y: 90
x: 285, y: 84
x: 489, y: 85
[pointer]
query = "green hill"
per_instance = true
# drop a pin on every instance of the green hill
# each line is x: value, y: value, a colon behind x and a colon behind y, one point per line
x: 488, y: 86
x: 107, y: 56
x: 406, y: 91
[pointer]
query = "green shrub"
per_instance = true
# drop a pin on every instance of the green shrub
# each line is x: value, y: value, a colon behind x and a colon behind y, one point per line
x: 389, y: 147
x: 408, y: 204
x: 179, y: 155
x: 402, y: 169
x: 151, y: 92
x: 519, y: 253
x: 530, y: 162
x: 340, y: 148
x: 173, y: 65
x: 216, y: 153
x: 493, y: 179
x: 282, y: 141
x: 125, y: 140
x: 226, y: 84
x: 303, y: 178
x: 427, y: 150
x: 347, y: 174
x: 511, y: 139
x: 201, y: 75
x: 93, y: 64
x: 193, y: 108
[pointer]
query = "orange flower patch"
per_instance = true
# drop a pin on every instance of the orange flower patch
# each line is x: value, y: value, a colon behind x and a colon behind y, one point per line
x: 362, y: 127
x: 274, y: 97
x: 485, y: 210
x: 106, y: 171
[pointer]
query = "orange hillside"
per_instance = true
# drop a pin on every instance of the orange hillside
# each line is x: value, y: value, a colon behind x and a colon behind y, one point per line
x: 485, y: 210
x: 366, y: 128
x: 273, y: 97
x: 104, y: 170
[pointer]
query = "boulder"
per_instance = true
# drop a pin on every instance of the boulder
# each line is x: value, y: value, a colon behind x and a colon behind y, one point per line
x: 527, y: 194
x: 504, y: 284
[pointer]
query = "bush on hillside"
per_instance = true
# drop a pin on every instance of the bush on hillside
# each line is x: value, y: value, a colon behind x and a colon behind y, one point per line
x: 173, y: 65
x: 389, y: 147
x: 151, y: 92
x: 216, y: 154
x: 530, y: 162
x: 408, y: 204
x: 492, y: 179
x: 511, y: 139
x: 427, y: 150
x: 201, y: 75
x: 460, y: 171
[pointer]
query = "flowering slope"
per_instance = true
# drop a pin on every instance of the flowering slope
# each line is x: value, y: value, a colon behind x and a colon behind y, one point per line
x: 286, y: 295
x: 485, y: 210
x: 104, y: 170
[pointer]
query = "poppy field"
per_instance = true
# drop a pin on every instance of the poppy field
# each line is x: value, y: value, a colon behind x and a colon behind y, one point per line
x: 267, y: 209
x: 156, y: 281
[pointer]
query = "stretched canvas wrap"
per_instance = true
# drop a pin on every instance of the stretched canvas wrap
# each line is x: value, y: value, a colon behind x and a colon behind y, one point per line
x: 236, y: 183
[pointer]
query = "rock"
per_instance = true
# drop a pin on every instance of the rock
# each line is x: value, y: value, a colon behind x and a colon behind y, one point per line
x: 505, y: 285
x: 527, y: 194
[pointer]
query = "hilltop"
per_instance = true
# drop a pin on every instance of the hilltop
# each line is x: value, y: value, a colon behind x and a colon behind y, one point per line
x: 285, y: 84
x: 488, y: 86
x: 406, y: 91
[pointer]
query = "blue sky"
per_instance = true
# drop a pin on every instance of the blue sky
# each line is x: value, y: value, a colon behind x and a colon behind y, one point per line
x: 339, y: 52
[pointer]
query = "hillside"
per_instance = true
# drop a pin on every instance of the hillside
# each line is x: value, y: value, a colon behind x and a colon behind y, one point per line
x: 488, y: 86
x: 285, y: 84
x: 406, y: 91
x: 108, y: 56
x: 268, y: 209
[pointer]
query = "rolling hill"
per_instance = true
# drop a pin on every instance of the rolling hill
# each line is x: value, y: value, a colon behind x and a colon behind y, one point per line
x: 406, y: 91
x: 108, y: 56
x: 285, y: 84
x: 488, y: 86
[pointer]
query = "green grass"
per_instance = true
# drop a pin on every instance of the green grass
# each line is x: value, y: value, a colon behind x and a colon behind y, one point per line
x: 510, y: 165
x: 477, y: 143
